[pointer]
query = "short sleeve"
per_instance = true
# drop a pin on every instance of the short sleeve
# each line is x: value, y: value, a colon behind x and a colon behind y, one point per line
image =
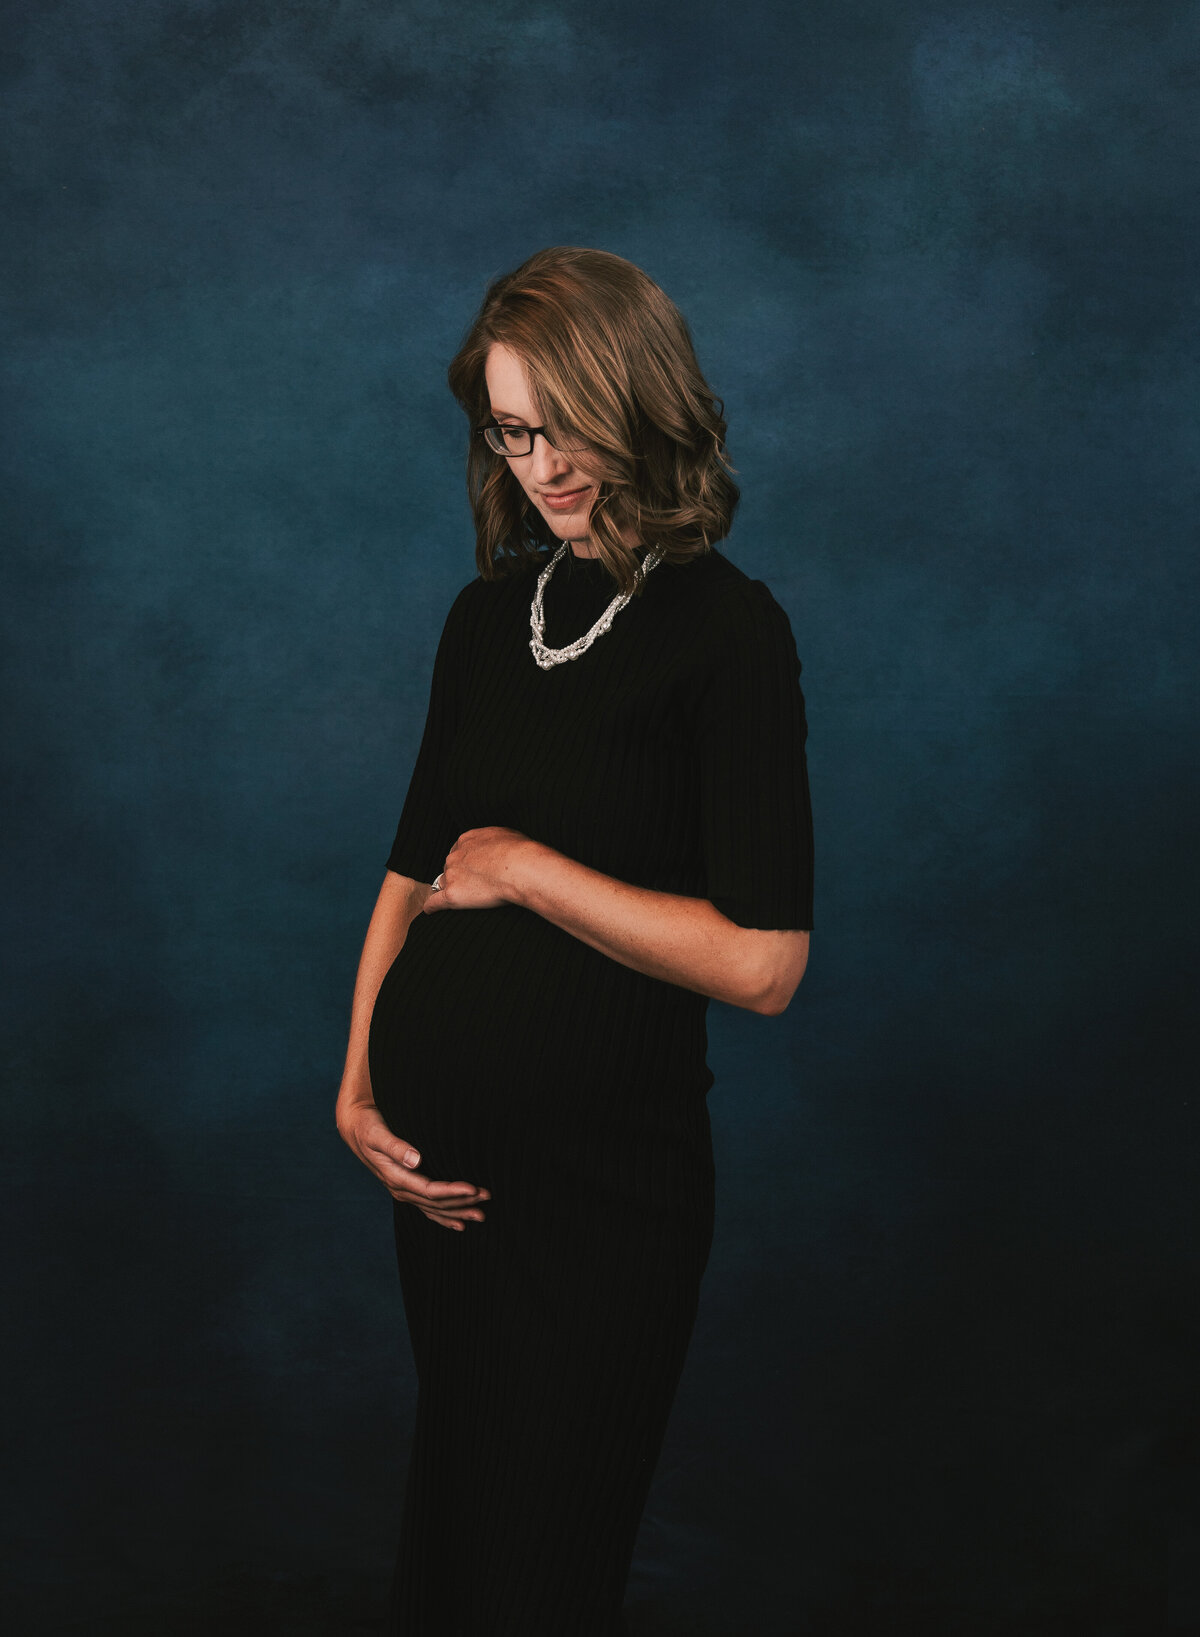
x: 751, y: 729
x: 426, y: 831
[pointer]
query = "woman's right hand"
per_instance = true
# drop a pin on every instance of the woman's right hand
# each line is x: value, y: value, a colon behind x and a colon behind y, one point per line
x: 394, y: 1161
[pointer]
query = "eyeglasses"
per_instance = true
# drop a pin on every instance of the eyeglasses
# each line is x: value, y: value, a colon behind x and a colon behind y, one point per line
x: 517, y: 441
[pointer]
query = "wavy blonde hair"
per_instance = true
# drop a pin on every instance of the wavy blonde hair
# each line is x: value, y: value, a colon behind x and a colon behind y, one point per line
x: 611, y: 364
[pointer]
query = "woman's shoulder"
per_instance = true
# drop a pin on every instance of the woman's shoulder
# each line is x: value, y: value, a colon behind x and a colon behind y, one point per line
x: 478, y: 594
x: 513, y: 582
x: 484, y: 606
x: 731, y: 603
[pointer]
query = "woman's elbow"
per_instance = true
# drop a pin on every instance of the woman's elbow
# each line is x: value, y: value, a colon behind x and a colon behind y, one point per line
x: 786, y: 976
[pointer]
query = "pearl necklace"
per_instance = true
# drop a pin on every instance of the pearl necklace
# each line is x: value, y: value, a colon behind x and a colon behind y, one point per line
x: 546, y: 657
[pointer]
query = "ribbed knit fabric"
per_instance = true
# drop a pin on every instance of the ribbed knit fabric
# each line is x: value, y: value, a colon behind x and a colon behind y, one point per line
x: 549, y: 1339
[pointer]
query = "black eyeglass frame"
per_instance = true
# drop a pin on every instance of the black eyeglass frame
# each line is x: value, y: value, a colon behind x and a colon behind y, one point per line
x: 532, y: 431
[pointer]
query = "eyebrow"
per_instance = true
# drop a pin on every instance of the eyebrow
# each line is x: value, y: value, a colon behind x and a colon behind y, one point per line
x: 506, y: 415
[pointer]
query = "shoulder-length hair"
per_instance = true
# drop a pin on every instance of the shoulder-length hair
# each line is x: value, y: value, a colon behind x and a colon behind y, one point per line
x: 611, y: 365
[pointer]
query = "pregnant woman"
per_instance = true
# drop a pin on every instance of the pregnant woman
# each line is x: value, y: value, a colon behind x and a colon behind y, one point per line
x: 607, y: 824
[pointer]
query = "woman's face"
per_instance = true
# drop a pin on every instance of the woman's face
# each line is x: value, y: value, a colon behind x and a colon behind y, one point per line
x: 554, y: 480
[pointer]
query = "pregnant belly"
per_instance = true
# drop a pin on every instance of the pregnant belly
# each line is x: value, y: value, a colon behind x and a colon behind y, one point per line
x: 495, y: 1032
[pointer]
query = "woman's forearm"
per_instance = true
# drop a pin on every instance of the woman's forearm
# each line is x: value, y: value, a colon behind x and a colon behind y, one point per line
x: 686, y: 941
x: 398, y: 904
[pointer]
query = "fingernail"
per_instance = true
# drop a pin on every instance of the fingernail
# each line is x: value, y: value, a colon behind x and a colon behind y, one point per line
x: 412, y: 1157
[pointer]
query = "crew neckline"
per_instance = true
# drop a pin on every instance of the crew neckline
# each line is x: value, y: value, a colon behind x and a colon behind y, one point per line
x: 592, y: 564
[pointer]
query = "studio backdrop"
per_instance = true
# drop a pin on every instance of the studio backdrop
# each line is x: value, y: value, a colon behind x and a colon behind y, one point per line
x: 939, y: 261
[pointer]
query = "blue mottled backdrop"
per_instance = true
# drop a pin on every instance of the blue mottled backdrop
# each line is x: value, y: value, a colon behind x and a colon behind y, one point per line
x: 941, y: 263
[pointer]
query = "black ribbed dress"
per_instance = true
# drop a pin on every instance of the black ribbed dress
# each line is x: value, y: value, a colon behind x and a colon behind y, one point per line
x: 549, y: 1338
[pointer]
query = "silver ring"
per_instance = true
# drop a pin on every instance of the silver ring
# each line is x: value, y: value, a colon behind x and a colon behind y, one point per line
x: 437, y: 885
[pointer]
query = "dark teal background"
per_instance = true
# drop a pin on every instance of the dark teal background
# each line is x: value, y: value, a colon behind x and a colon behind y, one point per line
x: 940, y: 261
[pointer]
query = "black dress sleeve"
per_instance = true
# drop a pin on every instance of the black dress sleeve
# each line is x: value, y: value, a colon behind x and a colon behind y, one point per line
x: 756, y: 820
x: 426, y: 831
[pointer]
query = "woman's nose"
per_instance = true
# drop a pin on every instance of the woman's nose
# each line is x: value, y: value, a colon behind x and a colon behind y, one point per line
x: 545, y: 461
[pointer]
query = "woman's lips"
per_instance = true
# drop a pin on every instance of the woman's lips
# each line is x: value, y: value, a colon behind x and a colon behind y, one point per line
x: 566, y: 501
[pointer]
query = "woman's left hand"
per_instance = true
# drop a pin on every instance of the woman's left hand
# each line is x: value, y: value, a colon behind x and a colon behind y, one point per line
x: 481, y: 870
